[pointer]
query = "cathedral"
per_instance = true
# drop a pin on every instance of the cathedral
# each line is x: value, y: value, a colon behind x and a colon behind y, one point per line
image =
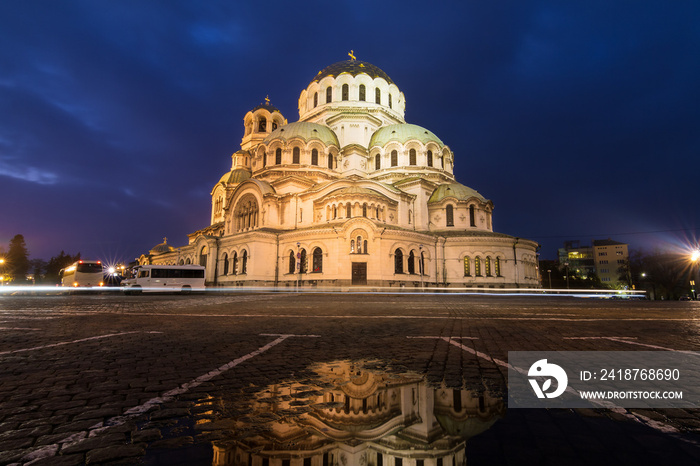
x: 350, y: 194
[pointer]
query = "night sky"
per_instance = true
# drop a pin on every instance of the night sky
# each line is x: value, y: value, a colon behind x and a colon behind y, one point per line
x: 578, y: 119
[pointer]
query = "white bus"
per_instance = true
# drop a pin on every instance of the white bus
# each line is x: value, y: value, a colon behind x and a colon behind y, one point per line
x: 165, y: 278
x: 83, y: 274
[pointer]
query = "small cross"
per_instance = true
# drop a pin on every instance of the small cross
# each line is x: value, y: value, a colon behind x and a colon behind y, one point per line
x: 165, y: 240
x: 267, y: 100
x: 352, y: 57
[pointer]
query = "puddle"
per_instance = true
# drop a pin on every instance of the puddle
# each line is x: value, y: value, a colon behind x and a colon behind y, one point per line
x: 345, y: 413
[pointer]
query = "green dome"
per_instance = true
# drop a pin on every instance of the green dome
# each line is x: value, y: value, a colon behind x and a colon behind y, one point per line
x: 456, y: 190
x: 238, y: 175
x: 352, y: 67
x: 306, y: 131
x: 403, y: 133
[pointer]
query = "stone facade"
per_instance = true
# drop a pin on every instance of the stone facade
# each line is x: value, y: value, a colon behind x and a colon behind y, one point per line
x: 350, y: 194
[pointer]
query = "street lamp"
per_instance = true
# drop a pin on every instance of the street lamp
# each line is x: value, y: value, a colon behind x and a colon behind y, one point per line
x: 550, y: 278
x: 420, y: 265
x: 695, y: 258
x: 2, y: 271
x: 298, y: 265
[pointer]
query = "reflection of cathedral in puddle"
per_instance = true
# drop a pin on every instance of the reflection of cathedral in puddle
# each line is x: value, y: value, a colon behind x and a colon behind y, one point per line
x: 356, y: 416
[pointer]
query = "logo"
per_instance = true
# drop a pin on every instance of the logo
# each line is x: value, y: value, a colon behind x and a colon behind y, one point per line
x: 544, y: 369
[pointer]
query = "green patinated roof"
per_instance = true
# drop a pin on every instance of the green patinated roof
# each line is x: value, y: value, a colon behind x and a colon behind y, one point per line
x: 238, y: 175
x: 456, y: 190
x: 352, y: 67
x: 403, y: 133
x: 306, y: 131
x: 356, y: 190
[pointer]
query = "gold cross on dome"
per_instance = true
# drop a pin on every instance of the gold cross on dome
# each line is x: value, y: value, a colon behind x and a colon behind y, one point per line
x: 267, y: 100
x: 352, y: 56
x: 165, y: 240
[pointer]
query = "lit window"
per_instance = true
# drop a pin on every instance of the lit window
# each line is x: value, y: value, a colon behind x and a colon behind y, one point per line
x: 317, y: 265
x: 466, y: 267
x: 477, y: 266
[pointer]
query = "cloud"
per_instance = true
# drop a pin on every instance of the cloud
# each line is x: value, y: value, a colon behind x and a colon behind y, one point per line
x: 31, y: 174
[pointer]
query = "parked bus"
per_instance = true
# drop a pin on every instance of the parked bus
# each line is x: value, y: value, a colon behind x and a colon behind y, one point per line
x: 165, y: 278
x: 83, y: 274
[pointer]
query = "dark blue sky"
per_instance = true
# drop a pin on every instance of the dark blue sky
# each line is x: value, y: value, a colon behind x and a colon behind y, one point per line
x: 578, y: 119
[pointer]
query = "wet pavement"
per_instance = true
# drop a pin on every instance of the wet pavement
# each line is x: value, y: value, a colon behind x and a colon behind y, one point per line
x: 321, y: 379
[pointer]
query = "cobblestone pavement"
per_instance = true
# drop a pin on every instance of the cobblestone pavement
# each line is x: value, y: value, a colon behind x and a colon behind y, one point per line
x: 111, y: 379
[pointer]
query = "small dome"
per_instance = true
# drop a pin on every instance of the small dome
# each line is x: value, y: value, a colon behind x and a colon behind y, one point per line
x: 269, y: 107
x: 236, y: 176
x: 456, y: 190
x: 162, y: 248
x: 403, y: 133
x: 352, y: 67
x: 306, y: 131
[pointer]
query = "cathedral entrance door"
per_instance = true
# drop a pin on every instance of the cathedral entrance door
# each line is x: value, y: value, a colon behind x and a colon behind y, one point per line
x: 359, y: 273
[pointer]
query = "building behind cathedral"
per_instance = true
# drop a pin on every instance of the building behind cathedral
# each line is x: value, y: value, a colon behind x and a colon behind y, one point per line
x: 351, y: 194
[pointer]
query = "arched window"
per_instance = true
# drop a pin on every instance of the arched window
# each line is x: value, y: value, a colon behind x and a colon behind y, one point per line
x: 390, y: 101
x: 329, y: 94
x: 264, y: 159
x: 274, y: 125
x: 497, y: 266
x: 292, y: 262
x: 442, y: 161
x: 262, y: 125
x: 421, y: 264
x: 477, y: 266
x: 295, y: 155
x: 182, y: 262
x: 203, y: 256
x: 411, y: 263
x: 412, y: 157
x: 317, y: 265
x: 335, y: 212
x: 234, y: 265
x: 398, y: 261
x: 315, y: 99
x: 348, y: 210
x: 314, y: 157
x: 359, y: 244
x: 450, y: 215
x: 488, y: 266
x: 346, y: 92
x: 394, y: 158
x: 278, y: 156
x: 364, y: 247
x: 188, y: 262
x: 467, y: 272
x: 352, y: 246
x: 330, y: 161
x: 225, y: 261
x: 362, y: 92
x: 377, y: 96
x: 244, y: 262
x: 377, y: 162
x: 246, y: 213
x: 472, y: 216
x: 364, y: 210
x: 430, y: 158
x: 302, y: 261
